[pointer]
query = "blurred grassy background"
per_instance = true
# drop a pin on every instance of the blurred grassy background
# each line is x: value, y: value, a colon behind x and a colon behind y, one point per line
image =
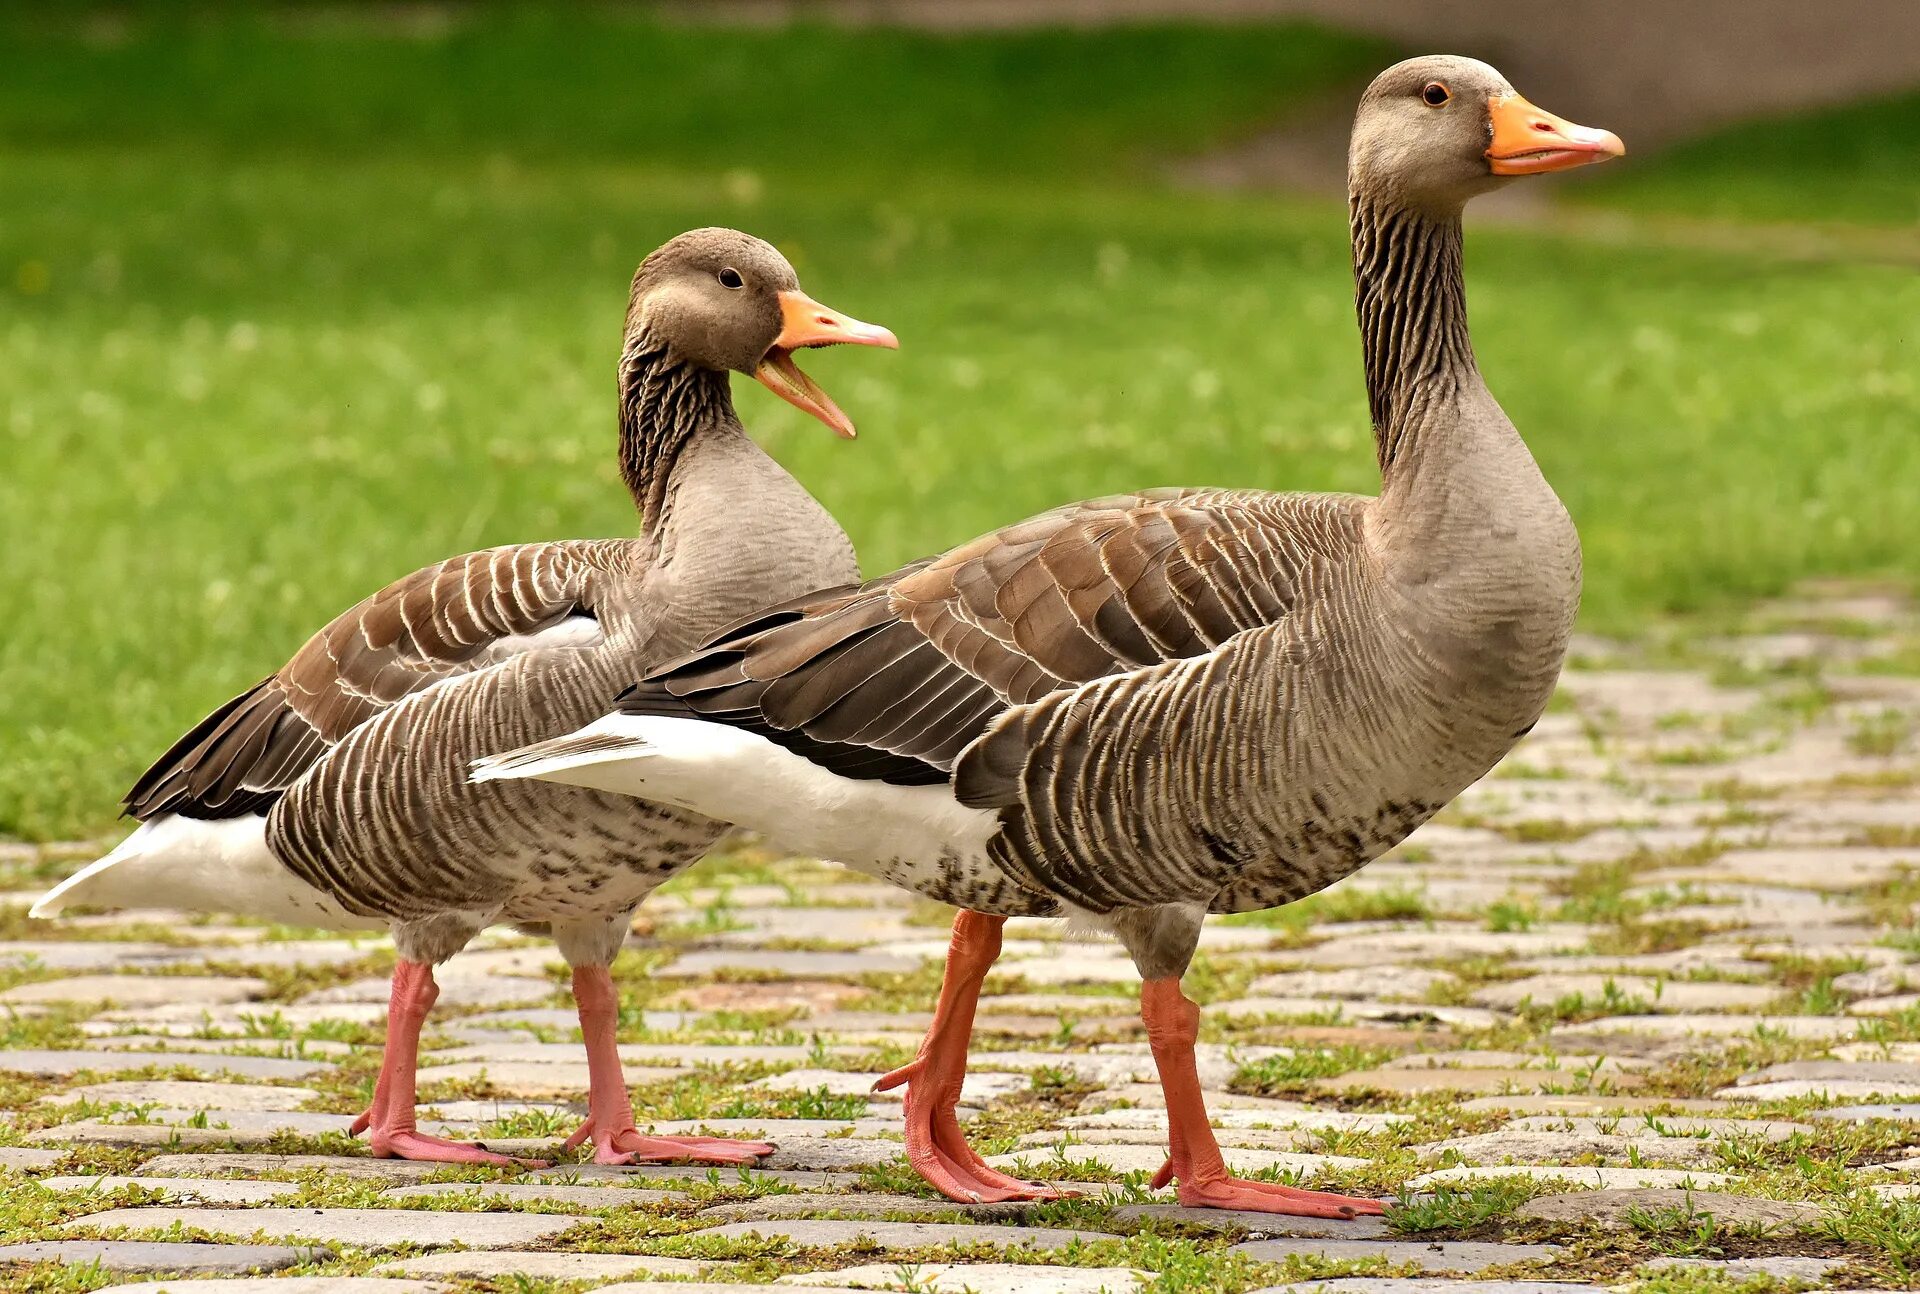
x: 292, y: 302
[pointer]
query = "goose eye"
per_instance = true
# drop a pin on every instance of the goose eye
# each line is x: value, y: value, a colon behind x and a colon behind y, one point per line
x: 730, y: 278
x: 1435, y: 95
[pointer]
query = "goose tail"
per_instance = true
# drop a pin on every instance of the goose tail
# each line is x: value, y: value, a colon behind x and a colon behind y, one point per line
x: 563, y: 759
x: 85, y: 887
x: 740, y: 777
x: 182, y: 864
x: 673, y: 761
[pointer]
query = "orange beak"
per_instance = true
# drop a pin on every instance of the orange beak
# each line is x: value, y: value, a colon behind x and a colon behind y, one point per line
x: 805, y: 322
x: 1531, y: 141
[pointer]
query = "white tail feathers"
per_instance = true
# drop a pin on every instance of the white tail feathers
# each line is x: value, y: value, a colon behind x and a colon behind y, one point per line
x: 668, y: 760
x: 549, y: 761
x: 200, y: 865
x: 742, y: 778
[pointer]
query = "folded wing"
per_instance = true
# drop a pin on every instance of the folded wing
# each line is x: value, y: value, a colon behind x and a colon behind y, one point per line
x: 443, y: 621
x: 892, y: 680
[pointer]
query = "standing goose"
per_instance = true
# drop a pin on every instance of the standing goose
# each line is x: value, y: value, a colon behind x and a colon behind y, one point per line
x: 335, y: 792
x: 1138, y: 710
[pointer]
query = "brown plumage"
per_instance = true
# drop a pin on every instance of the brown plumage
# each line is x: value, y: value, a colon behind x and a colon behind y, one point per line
x: 437, y: 623
x: 335, y: 791
x: 914, y: 664
x: 1142, y: 709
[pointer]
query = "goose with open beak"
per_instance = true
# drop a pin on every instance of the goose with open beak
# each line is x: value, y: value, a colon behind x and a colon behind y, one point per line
x: 805, y: 323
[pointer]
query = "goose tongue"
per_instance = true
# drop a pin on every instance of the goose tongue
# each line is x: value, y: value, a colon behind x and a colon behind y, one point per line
x: 804, y: 323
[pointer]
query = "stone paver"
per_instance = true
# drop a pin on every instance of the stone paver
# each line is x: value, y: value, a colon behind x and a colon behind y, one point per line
x: 1387, y: 983
x: 483, y: 1264
x: 606, y: 1195
x: 1573, y: 1175
x: 1511, y: 1146
x: 1665, y: 1126
x: 137, y: 990
x: 1257, y: 1225
x: 1619, y: 1208
x: 379, y: 1228
x: 1646, y: 967
x: 61, y: 1064
x: 534, y: 1079
x: 1786, y: 1267
x: 24, y: 1157
x: 769, y: 1207
x: 977, y: 1278
x: 1688, y: 1025
x: 1904, y: 1111
x: 1832, y: 1078
x: 1591, y: 1103
x: 1425, y: 1285
x: 186, y: 1095
x: 387, y: 1170
x: 1678, y: 996
x: 159, y: 1256
x: 1462, y: 1079
x: 701, y: 1287
x: 217, y: 1130
x: 103, y: 954
x: 824, y: 1233
x: 1447, y: 1256
x: 811, y: 964
x: 277, y: 1285
x: 186, y: 1190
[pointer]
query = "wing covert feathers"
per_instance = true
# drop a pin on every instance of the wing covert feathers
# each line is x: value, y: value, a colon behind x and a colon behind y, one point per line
x: 444, y: 620
x: 896, y: 678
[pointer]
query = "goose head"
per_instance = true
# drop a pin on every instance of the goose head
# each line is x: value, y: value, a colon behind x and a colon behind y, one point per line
x: 723, y: 300
x: 1433, y: 132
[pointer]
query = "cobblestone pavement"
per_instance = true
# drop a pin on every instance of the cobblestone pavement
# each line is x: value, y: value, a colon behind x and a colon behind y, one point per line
x: 1642, y: 1007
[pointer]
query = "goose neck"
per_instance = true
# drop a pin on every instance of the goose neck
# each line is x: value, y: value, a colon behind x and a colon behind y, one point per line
x: 1410, y: 295
x: 666, y: 406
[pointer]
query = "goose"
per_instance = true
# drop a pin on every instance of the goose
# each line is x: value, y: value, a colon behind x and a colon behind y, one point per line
x: 334, y: 792
x: 1136, y: 710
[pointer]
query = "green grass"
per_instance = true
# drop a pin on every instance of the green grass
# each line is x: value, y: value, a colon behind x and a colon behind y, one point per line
x: 455, y: 81
x: 1858, y: 162
x: 355, y: 307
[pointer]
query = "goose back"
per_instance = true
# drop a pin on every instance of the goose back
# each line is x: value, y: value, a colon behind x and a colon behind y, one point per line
x: 895, y: 678
x: 1187, y: 695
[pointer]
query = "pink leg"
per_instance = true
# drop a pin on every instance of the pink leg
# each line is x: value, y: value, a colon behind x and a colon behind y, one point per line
x: 936, y: 1147
x: 389, y: 1120
x: 1173, y: 1026
x: 610, y: 1112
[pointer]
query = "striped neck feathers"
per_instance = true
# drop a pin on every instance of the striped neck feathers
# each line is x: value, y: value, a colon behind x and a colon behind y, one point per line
x: 1410, y: 294
x: 666, y: 404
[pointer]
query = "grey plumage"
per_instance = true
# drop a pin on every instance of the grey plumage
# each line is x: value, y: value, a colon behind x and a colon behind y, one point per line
x: 1142, y: 709
x: 1207, y: 699
x: 356, y: 751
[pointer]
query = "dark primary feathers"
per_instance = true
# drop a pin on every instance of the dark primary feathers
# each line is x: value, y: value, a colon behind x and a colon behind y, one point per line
x: 437, y: 623
x: 894, y: 679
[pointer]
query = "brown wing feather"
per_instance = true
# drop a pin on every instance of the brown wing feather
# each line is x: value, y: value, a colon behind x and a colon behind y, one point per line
x: 916, y: 664
x: 439, y: 622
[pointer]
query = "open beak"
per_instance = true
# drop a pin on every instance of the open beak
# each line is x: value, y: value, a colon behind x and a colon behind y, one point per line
x: 1531, y: 141
x: 805, y: 322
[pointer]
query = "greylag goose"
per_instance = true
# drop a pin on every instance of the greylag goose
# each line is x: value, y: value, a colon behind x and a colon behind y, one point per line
x: 1138, y: 710
x: 334, y: 792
